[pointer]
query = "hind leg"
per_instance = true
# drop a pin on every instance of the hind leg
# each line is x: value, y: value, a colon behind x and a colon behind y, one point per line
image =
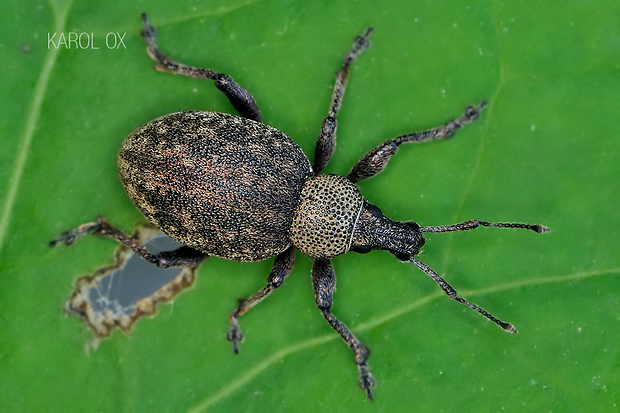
x: 183, y: 256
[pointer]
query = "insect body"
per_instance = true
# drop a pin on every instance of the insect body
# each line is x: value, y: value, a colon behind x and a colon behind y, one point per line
x: 218, y: 183
x: 238, y: 189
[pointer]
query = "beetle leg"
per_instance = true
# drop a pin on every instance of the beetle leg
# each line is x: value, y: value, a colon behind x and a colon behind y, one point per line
x: 324, y: 283
x: 376, y: 160
x: 326, y: 143
x: 240, y: 98
x: 282, y: 267
x: 183, y: 256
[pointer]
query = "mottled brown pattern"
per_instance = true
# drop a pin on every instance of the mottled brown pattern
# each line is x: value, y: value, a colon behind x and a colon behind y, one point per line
x: 328, y: 210
x: 215, y: 182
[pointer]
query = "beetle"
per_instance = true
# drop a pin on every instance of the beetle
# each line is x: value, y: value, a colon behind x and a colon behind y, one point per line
x: 232, y: 187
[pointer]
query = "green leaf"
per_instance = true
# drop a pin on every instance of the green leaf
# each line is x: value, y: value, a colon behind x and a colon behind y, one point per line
x: 545, y: 151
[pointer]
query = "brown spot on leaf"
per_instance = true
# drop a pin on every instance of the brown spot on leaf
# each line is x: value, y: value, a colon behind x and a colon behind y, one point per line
x: 117, y: 296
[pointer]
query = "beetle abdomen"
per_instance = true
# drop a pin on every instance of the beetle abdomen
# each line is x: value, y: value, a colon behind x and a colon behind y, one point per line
x: 218, y: 183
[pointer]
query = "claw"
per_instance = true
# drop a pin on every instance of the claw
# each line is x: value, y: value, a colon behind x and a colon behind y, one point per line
x: 148, y: 31
x: 69, y: 237
x: 360, y: 44
x: 234, y: 335
x: 367, y: 382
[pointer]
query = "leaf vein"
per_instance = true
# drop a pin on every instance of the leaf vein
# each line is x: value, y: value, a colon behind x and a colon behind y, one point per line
x: 251, y: 373
x: 34, y: 112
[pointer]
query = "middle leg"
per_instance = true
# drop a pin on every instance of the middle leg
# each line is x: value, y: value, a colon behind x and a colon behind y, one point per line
x: 326, y: 143
x: 282, y: 267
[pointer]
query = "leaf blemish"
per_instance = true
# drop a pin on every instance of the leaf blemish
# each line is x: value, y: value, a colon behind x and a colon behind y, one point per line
x: 117, y: 296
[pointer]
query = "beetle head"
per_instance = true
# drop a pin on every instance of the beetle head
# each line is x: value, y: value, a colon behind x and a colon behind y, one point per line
x: 373, y: 231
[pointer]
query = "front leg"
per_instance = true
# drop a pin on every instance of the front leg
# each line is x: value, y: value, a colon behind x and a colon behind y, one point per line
x: 377, y: 159
x: 324, y: 282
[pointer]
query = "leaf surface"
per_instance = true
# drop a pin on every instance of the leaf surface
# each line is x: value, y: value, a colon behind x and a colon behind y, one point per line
x: 545, y: 151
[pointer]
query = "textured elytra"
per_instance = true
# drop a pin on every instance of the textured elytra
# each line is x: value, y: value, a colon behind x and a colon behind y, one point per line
x: 215, y: 182
x: 323, y: 225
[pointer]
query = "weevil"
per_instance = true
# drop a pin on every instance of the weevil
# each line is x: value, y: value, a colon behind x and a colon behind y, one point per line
x: 235, y: 188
